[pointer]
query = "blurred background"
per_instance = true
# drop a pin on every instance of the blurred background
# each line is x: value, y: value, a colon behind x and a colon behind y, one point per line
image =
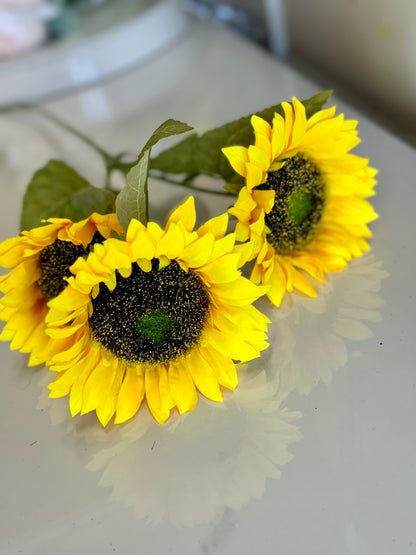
x: 362, y: 48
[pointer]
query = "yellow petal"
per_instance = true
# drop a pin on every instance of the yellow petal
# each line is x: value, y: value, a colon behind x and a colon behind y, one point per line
x: 11, y: 251
x: 182, y: 387
x: 130, y: 395
x: 185, y: 213
x: 203, y: 375
x: 223, y: 367
x: 37, y: 342
x: 107, y: 407
x: 87, y: 280
x: 248, y: 334
x: 172, y: 243
x: 299, y: 126
x: 248, y: 317
x: 264, y: 199
x: 65, y: 380
x: 230, y: 345
x: 154, y: 231
x: 278, y: 136
x: 97, y: 386
x: 217, y: 226
x: 73, y: 347
x: 66, y: 331
x: 238, y: 158
x: 144, y: 264
x: 87, y: 366
x: 135, y: 227
x: 289, y: 122
x: 332, y: 262
x: 321, y: 115
x: 142, y: 246
x: 116, y: 254
x: 255, y: 176
x: 238, y: 293
x: 22, y: 334
x: 221, y: 270
x: 222, y: 246
x: 111, y: 282
x: 196, y: 254
x: 126, y: 272
x: 244, y: 206
x: 310, y: 265
x: 158, y: 395
x: 242, y: 232
x: 263, y: 143
x: 261, y: 126
x: 300, y: 283
x: 245, y: 252
x: 259, y: 158
x: 278, y: 284
x: 14, y: 298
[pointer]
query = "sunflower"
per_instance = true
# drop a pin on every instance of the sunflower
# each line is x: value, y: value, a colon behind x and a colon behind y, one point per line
x: 160, y: 315
x: 39, y: 260
x: 303, y: 203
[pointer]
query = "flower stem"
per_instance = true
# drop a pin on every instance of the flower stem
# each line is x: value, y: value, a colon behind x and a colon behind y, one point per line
x: 64, y: 125
x: 111, y: 162
x: 190, y: 185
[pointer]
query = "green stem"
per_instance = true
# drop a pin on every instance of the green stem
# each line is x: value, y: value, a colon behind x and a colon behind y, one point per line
x: 58, y: 121
x: 111, y: 162
x: 190, y: 185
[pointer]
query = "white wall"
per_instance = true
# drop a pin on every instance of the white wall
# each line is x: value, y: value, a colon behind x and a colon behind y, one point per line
x: 371, y: 44
x: 368, y: 45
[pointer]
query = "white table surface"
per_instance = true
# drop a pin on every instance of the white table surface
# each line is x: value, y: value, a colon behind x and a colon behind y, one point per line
x: 315, y: 452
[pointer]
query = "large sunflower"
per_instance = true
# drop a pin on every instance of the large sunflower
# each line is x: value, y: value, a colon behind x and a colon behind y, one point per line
x: 160, y: 315
x: 303, y: 203
x: 39, y: 260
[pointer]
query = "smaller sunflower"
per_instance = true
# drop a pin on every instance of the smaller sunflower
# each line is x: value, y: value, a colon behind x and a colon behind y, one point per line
x: 39, y: 260
x: 160, y: 315
x: 303, y: 204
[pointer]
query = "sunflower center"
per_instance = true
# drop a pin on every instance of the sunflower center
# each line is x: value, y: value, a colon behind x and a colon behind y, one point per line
x: 298, y: 205
x: 156, y: 326
x: 151, y: 317
x: 55, y: 261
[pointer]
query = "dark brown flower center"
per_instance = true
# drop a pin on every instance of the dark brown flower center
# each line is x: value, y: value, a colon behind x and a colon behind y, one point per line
x: 55, y: 261
x: 151, y: 317
x: 298, y: 205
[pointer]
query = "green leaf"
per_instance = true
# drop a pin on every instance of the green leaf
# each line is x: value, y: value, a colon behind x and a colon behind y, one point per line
x: 167, y: 129
x: 202, y: 154
x: 58, y: 191
x: 132, y: 201
x: 316, y: 102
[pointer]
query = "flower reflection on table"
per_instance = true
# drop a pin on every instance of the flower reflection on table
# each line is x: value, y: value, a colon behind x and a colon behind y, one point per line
x: 312, y: 336
x: 196, y: 466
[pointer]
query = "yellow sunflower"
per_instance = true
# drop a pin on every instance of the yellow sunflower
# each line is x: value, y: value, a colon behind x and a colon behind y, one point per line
x: 39, y: 260
x: 303, y: 203
x: 160, y: 315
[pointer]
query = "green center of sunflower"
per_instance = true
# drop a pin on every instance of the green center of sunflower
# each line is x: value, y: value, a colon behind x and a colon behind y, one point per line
x: 156, y: 326
x: 55, y: 261
x: 298, y: 205
x: 151, y: 317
